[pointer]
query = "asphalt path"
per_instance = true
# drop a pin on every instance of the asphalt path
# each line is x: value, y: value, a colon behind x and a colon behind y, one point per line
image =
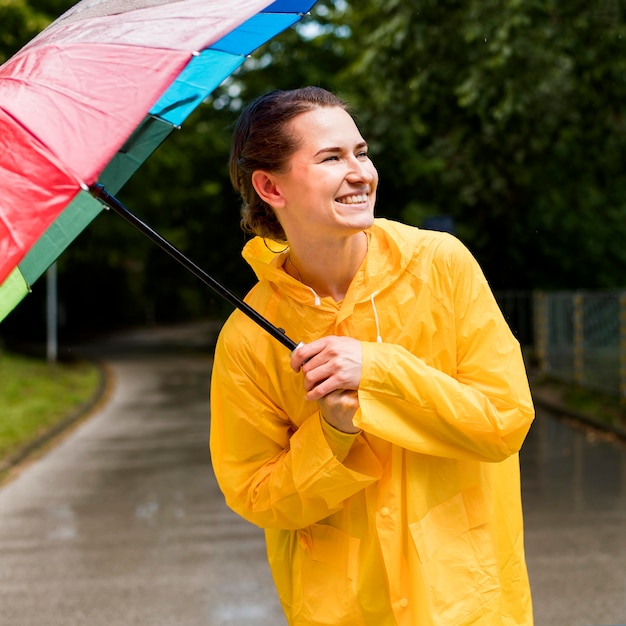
x: 574, y: 497
x: 121, y: 523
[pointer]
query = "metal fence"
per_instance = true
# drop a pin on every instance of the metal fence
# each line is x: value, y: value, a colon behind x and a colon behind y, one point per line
x: 580, y: 337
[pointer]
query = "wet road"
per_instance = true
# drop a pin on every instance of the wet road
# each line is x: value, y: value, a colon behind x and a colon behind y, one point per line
x: 122, y: 523
x: 574, y: 495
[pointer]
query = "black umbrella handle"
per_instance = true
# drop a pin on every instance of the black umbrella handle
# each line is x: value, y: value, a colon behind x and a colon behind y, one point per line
x: 98, y: 191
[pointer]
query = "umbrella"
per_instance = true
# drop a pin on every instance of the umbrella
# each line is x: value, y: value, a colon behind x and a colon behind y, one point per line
x: 91, y: 97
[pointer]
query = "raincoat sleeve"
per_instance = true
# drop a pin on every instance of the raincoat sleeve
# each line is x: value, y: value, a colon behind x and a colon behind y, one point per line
x: 271, y: 473
x: 481, y: 407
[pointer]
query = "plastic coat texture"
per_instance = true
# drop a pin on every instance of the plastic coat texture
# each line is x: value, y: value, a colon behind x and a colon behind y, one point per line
x: 417, y: 520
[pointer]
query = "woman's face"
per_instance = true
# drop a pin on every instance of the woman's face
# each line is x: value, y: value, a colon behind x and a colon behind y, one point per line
x: 329, y: 187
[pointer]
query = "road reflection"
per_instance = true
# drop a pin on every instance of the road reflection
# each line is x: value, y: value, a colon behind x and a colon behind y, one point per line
x: 570, y: 468
x: 574, y: 496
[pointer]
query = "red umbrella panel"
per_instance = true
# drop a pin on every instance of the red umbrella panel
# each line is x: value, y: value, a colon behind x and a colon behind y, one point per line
x: 92, y: 96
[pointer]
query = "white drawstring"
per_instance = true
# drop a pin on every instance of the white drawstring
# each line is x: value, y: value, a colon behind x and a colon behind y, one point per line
x: 379, y: 339
x: 317, y: 298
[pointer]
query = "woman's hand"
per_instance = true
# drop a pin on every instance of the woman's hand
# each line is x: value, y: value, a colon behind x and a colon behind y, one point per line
x: 332, y: 373
x: 338, y: 409
x: 328, y: 364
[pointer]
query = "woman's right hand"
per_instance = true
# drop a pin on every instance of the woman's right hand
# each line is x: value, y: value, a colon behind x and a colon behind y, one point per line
x: 329, y: 364
x: 332, y: 373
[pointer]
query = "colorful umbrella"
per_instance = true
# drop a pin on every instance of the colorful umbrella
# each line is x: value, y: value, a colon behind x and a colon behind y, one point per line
x: 90, y: 98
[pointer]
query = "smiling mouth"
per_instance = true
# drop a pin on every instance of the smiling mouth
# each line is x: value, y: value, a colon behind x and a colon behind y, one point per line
x: 353, y: 199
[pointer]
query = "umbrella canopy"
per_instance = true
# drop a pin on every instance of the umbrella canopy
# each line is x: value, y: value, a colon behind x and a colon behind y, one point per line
x: 91, y: 97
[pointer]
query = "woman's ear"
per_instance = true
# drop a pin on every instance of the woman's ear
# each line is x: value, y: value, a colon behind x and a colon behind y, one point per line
x: 265, y: 186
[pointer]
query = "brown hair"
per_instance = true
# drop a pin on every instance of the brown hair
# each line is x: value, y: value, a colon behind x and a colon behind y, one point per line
x: 262, y: 141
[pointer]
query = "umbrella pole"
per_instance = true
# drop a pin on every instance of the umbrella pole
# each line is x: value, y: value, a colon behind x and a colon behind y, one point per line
x: 98, y: 191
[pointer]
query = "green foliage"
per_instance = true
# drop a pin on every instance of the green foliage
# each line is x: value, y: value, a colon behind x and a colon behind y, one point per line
x: 20, y: 21
x: 509, y: 116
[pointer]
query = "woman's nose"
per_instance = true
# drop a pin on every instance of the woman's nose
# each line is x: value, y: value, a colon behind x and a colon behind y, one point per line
x: 362, y: 170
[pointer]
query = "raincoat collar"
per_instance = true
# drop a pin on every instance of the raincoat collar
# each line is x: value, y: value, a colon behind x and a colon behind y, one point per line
x: 390, y: 249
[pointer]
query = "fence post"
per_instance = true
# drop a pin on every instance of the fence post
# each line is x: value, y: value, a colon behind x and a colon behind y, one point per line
x: 541, y: 329
x: 622, y: 347
x: 579, y: 340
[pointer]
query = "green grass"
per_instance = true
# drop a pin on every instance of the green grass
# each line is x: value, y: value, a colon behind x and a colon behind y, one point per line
x: 603, y: 407
x: 606, y: 408
x: 36, y: 395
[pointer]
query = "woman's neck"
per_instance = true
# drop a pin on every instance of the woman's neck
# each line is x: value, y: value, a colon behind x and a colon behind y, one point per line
x: 327, y: 269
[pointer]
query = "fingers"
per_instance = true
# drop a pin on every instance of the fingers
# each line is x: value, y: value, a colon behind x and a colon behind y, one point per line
x: 319, y: 389
x: 328, y: 364
x: 298, y: 356
x: 304, y: 352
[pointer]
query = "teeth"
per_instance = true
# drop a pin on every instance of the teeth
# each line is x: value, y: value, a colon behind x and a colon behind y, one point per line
x: 357, y: 199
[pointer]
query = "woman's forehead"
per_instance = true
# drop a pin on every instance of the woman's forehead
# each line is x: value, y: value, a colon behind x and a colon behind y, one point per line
x: 324, y: 124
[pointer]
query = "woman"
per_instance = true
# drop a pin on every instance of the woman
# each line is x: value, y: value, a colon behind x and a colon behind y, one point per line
x: 380, y: 456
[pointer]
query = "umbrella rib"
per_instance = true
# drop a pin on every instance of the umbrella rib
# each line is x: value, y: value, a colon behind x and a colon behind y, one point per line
x: 99, y: 192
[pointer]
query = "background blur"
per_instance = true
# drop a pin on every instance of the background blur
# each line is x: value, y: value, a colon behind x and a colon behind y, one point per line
x: 504, y: 120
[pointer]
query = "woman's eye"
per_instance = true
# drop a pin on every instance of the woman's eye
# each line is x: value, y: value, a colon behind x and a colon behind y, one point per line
x: 333, y: 157
x: 362, y: 155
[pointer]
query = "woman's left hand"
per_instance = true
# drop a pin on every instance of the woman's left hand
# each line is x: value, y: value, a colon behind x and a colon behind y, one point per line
x: 338, y: 408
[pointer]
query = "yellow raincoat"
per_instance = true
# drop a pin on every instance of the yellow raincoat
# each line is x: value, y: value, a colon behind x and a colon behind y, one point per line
x: 417, y: 520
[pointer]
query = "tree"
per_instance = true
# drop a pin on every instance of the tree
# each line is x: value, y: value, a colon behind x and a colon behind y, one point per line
x: 508, y: 115
x: 20, y: 22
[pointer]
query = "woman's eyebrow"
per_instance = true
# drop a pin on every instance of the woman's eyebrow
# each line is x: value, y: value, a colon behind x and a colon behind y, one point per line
x: 359, y: 146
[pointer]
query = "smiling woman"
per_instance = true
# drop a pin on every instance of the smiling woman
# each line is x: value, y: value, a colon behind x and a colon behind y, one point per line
x: 380, y: 456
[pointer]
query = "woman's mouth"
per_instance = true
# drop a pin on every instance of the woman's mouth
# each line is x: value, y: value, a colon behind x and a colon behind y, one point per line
x: 359, y: 198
